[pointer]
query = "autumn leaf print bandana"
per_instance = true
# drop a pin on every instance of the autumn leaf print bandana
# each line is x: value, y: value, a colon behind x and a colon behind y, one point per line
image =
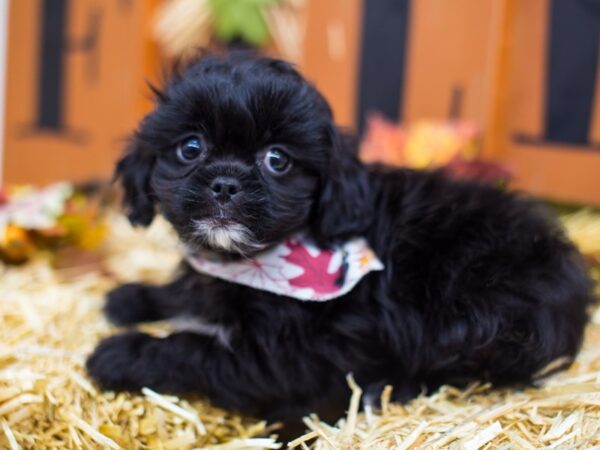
x: 297, y: 268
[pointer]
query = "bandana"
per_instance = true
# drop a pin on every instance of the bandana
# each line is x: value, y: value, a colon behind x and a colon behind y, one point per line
x: 297, y: 268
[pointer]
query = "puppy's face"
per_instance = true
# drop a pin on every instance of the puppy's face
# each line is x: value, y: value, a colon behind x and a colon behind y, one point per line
x: 234, y: 155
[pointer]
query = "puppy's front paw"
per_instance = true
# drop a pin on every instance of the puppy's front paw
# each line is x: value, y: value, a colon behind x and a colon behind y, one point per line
x: 129, y: 304
x: 115, y: 364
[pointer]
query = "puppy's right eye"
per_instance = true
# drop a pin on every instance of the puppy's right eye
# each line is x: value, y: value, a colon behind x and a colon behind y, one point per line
x: 190, y: 149
x: 277, y: 161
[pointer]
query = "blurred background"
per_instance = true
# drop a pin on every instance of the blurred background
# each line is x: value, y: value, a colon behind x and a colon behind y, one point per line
x: 501, y: 89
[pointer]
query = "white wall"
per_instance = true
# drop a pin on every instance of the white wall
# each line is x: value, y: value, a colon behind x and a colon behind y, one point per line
x: 3, y: 67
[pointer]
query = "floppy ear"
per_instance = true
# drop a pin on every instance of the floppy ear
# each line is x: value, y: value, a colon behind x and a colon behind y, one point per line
x: 134, y: 170
x: 345, y: 206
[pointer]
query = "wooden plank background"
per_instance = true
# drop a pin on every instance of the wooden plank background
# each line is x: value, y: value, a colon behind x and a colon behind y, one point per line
x: 103, y: 92
x: 479, y: 60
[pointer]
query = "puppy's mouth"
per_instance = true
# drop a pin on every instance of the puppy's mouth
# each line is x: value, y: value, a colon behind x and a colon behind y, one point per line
x: 222, y: 234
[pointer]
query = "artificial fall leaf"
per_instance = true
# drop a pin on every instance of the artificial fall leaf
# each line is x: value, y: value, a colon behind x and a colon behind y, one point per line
x: 384, y: 141
x: 424, y: 144
x: 83, y: 220
x: 16, y: 245
x: 433, y: 144
x: 316, y: 273
x: 84, y: 230
x: 241, y: 19
x: 92, y: 237
x: 49, y: 219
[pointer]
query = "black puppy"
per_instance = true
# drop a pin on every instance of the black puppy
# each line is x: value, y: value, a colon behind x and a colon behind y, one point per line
x: 241, y: 152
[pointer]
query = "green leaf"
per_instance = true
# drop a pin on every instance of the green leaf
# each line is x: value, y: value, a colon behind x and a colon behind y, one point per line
x: 241, y: 19
x: 225, y: 26
x: 255, y: 29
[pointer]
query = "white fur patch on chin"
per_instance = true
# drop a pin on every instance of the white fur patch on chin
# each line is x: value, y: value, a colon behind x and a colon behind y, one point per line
x: 230, y: 237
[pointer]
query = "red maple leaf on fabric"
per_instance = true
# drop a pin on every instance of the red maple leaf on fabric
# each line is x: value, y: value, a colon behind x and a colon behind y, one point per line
x: 315, y: 275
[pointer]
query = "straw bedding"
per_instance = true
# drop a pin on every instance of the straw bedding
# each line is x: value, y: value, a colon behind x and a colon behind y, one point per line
x: 50, y: 319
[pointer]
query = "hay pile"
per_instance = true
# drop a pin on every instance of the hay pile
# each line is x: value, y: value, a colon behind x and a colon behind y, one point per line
x: 48, y: 324
x: 564, y: 413
x: 50, y: 320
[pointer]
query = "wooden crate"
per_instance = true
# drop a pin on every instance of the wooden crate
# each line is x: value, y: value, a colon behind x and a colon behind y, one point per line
x: 75, y: 87
x: 501, y: 63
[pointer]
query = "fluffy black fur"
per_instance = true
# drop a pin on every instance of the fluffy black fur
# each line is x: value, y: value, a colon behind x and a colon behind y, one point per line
x: 478, y: 284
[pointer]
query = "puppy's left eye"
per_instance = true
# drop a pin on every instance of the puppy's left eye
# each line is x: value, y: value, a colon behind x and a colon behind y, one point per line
x: 277, y: 161
x: 190, y: 149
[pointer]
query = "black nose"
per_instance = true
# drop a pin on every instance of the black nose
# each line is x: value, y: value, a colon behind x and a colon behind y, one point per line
x: 224, y: 188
